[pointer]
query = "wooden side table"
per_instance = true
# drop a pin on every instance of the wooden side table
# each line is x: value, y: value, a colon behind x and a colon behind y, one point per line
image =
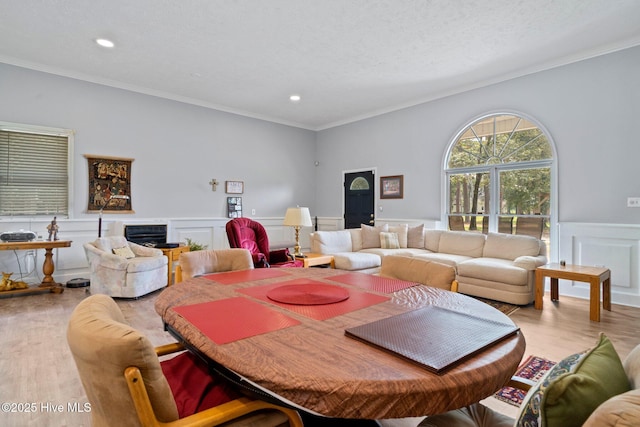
x: 592, y: 275
x: 312, y: 260
x: 173, y: 255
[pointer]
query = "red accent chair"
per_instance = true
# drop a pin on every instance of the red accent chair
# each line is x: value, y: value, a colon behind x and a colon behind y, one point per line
x: 247, y: 234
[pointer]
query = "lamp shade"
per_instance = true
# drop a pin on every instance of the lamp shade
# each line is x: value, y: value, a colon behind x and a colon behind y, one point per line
x: 298, y: 217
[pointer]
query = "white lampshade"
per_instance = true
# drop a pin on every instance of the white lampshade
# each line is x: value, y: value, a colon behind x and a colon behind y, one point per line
x: 298, y: 217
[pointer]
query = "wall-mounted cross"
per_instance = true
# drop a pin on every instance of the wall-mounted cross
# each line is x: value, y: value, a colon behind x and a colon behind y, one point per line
x: 213, y: 183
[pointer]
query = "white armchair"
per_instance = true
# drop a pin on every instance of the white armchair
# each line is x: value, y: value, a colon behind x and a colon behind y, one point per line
x: 123, y: 269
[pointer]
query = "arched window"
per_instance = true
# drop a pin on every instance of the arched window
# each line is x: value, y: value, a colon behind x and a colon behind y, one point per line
x: 500, y: 177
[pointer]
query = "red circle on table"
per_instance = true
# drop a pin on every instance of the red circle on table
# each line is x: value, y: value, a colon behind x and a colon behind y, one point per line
x: 308, y: 294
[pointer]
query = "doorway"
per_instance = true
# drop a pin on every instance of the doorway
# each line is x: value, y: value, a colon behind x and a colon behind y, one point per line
x: 359, y: 195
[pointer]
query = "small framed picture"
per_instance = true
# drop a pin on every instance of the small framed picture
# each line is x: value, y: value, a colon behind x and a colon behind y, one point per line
x: 234, y: 187
x: 234, y: 207
x: 391, y: 187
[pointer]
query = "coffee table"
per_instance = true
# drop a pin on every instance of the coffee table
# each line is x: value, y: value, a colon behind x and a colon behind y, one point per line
x: 579, y: 273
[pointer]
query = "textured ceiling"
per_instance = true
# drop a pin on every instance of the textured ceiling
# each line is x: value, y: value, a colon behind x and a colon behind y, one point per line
x: 348, y: 59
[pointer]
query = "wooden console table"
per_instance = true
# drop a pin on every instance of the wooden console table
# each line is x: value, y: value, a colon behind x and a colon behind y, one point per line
x: 48, y: 266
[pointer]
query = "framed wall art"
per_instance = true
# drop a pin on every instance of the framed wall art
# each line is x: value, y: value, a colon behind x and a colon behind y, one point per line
x: 391, y: 187
x: 234, y: 207
x: 234, y: 187
x: 109, y: 177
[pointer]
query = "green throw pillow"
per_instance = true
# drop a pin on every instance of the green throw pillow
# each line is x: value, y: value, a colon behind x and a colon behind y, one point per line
x: 574, y: 388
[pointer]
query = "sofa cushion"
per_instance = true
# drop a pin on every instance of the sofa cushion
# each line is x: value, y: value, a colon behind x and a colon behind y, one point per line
x: 328, y: 242
x: 415, y: 237
x: 356, y: 260
x: 432, y: 239
x: 571, y: 390
x: 622, y: 410
x: 106, y: 244
x: 632, y: 367
x: 461, y: 243
x: 356, y: 239
x: 449, y: 259
x: 493, y: 269
x: 371, y: 235
x: 389, y: 240
x: 194, y: 389
x: 476, y: 415
x: 381, y: 252
x: 507, y: 246
x: 402, y: 231
x: 140, y: 264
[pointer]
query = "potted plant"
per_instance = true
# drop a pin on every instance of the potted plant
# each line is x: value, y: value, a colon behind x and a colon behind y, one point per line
x: 195, y: 246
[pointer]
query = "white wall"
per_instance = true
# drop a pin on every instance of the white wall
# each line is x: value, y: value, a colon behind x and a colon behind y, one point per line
x: 178, y: 148
x: 590, y: 108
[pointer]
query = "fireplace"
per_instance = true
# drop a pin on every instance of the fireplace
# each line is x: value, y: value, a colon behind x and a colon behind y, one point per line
x: 147, y: 235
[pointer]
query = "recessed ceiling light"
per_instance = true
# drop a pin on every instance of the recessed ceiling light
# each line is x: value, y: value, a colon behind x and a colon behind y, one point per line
x: 295, y: 98
x: 105, y: 42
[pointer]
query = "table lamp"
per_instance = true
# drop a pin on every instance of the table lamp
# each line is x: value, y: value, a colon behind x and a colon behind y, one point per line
x: 113, y: 196
x: 297, y: 218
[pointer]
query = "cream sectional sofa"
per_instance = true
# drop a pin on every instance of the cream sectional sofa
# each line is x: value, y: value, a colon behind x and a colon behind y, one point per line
x: 496, y: 266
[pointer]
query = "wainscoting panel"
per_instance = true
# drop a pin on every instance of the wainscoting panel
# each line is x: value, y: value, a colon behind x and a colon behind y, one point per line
x: 209, y: 232
x: 212, y: 232
x: 616, y: 247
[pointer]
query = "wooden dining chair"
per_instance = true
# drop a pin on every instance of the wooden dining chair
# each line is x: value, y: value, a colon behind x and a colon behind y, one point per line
x: 127, y: 385
x: 197, y: 263
x: 530, y: 226
x: 456, y: 223
x: 505, y: 224
x: 419, y: 270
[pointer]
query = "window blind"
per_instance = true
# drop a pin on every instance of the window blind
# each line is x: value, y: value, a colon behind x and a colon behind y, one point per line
x: 33, y: 174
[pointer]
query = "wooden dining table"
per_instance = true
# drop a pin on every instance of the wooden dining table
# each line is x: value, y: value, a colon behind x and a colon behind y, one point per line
x: 302, y: 356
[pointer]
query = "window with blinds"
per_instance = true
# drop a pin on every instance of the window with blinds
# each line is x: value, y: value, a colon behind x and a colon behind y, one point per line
x: 34, y: 173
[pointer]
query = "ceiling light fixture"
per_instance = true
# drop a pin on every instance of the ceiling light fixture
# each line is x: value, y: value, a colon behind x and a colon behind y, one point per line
x: 295, y: 98
x: 105, y: 43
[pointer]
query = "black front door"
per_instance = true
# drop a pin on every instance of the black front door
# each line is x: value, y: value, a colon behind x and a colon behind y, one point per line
x: 358, y: 199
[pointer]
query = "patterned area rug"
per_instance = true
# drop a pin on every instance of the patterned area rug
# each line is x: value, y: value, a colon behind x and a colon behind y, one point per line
x: 533, y: 369
x: 502, y: 306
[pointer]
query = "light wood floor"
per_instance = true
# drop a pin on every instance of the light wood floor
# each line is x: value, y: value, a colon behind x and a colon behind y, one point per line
x: 37, y: 367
